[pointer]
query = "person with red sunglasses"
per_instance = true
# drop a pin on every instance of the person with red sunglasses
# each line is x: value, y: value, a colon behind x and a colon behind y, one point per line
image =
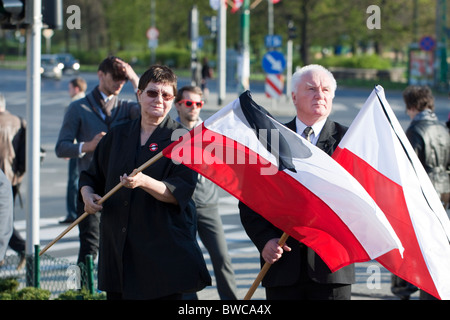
x: 188, y: 103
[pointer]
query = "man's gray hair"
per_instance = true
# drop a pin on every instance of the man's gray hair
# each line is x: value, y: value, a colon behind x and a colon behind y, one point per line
x: 298, y: 75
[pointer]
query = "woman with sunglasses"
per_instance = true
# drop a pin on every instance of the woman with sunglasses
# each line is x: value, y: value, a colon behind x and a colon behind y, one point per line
x: 148, y: 247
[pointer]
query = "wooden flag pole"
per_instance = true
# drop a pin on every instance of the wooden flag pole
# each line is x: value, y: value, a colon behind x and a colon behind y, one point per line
x: 103, y: 199
x: 264, y: 270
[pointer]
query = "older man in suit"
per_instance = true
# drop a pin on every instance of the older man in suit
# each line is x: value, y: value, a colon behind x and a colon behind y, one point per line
x: 297, y: 272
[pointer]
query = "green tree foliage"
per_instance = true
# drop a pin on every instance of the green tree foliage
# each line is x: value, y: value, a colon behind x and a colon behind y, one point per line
x: 343, y: 23
x: 111, y: 26
x: 9, y: 291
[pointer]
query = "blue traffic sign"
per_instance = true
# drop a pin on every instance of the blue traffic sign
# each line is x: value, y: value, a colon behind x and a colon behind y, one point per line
x: 273, y: 62
x: 273, y: 41
x: 427, y: 43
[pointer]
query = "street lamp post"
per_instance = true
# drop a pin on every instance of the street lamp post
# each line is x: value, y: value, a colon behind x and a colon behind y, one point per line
x: 244, y: 65
x: 33, y: 135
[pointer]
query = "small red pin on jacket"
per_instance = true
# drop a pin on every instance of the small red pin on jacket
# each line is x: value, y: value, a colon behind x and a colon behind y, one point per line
x: 153, y: 147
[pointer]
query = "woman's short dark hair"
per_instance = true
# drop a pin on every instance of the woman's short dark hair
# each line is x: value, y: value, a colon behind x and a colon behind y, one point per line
x: 158, y: 74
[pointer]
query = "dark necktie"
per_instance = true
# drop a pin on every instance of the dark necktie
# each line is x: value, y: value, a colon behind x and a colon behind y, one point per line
x: 307, y: 132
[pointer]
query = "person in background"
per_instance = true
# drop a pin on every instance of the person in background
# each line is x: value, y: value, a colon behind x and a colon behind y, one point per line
x: 6, y: 215
x: 77, y: 90
x: 12, y: 163
x: 188, y: 103
x: 85, y: 123
x: 297, y: 272
x: 207, y: 73
x: 148, y: 239
x: 430, y: 140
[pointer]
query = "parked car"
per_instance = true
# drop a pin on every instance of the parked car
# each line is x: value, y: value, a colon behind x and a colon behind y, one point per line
x: 71, y: 65
x: 50, y: 67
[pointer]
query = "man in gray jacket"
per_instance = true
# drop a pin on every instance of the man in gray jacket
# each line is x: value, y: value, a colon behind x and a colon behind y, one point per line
x: 86, y: 121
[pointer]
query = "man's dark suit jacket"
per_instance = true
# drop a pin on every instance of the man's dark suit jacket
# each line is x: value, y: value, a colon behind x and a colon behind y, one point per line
x: 301, y: 261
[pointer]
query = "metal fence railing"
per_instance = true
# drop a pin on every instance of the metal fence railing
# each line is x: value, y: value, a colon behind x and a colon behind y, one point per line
x: 53, y: 274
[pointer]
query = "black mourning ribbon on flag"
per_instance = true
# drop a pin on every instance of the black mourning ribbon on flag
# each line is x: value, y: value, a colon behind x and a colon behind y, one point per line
x: 259, y: 118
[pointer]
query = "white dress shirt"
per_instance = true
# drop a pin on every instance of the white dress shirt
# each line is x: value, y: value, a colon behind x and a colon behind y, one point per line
x: 317, y: 128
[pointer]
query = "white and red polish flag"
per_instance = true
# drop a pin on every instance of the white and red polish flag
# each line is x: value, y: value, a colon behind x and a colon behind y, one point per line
x: 376, y: 151
x: 290, y: 182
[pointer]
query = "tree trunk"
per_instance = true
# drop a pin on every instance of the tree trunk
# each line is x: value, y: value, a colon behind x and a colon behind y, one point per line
x: 304, y: 37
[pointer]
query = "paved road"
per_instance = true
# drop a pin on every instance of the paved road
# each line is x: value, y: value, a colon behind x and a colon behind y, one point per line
x: 373, y: 281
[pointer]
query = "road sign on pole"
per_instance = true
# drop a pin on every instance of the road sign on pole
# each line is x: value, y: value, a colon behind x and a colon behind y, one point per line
x: 152, y: 36
x: 274, y: 85
x: 427, y: 43
x: 273, y: 62
x: 273, y: 41
x: 152, y: 33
